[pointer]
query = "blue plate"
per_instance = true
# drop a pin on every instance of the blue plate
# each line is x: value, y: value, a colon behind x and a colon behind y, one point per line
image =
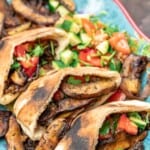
x: 110, y: 12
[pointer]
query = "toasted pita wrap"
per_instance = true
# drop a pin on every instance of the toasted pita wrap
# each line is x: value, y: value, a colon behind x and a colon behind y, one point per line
x: 33, y: 102
x: 7, y: 47
x: 84, y: 133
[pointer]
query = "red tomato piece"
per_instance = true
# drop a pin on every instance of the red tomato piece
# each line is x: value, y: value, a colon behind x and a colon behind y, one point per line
x: 30, y: 65
x: 128, y: 126
x: 117, y: 96
x: 20, y: 51
x: 89, y: 55
x: 119, y: 42
x: 30, y: 71
x: 88, y: 26
x: 58, y: 95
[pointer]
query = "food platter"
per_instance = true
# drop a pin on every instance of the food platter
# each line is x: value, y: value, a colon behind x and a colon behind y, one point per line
x: 111, y: 13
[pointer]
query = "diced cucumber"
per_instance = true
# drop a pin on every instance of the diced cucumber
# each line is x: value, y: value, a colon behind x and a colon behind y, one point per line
x: 75, y: 28
x: 57, y: 64
x: 66, y: 25
x: 74, y: 39
x: 62, y: 11
x: 85, y: 38
x: 53, y: 4
x: 67, y: 57
x: 103, y: 47
x: 140, y: 123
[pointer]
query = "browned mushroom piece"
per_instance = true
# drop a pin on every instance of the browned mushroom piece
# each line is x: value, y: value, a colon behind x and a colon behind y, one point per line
x: 69, y: 4
x: 2, y: 15
x: 14, y: 137
x: 18, y: 78
x: 65, y: 105
x: 52, y: 135
x: 132, y: 68
x: 89, y: 90
x: 1, y: 22
x: 124, y: 141
x: 4, y: 119
x: 27, y: 12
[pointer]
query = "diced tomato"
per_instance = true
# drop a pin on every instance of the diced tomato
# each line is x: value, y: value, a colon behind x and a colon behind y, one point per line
x: 88, y: 26
x: 89, y: 55
x: 119, y: 42
x: 20, y: 51
x: 126, y: 125
x: 58, y: 95
x: 30, y: 65
x: 30, y: 71
x: 33, y: 61
x: 117, y: 96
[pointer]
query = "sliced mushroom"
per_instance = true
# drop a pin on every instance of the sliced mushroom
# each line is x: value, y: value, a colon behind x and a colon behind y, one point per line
x: 30, y: 145
x: 2, y: 15
x: 65, y: 105
x: 19, y: 28
x: 14, y: 137
x: 31, y: 15
x: 18, y: 78
x: 69, y: 4
x: 132, y: 68
x: 52, y: 135
x: 1, y: 22
x: 4, y: 119
x: 89, y: 90
x: 124, y: 141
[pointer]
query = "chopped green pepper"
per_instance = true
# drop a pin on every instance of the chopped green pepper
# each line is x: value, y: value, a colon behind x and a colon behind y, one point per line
x: 66, y: 25
x: 105, y: 128
x: 15, y: 65
x: 37, y: 51
x: 115, y: 65
x: 72, y: 80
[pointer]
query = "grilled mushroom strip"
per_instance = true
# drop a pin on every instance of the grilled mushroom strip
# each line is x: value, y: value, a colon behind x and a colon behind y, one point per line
x: 52, y: 135
x: 31, y: 15
x: 33, y: 102
x: 69, y: 4
x: 2, y: 15
x: 89, y: 90
x: 4, y: 119
x: 124, y: 141
x: 65, y: 105
x: 14, y: 137
x: 1, y: 23
x: 132, y: 68
x: 18, y: 77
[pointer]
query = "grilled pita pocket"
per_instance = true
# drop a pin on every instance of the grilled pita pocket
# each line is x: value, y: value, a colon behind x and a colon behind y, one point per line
x: 85, y: 129
x: 8, y: 44
x: 32, y: 103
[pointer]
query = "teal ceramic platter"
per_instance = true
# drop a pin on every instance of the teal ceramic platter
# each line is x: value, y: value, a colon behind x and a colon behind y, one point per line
x: 113, y: 13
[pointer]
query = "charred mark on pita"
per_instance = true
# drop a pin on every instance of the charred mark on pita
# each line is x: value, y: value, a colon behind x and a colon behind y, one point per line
x: 40, y: 93
x: 77, y: 141
x: 1, y: 44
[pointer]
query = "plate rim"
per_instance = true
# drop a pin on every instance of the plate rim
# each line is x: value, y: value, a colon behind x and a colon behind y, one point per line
x: 130, y: 20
